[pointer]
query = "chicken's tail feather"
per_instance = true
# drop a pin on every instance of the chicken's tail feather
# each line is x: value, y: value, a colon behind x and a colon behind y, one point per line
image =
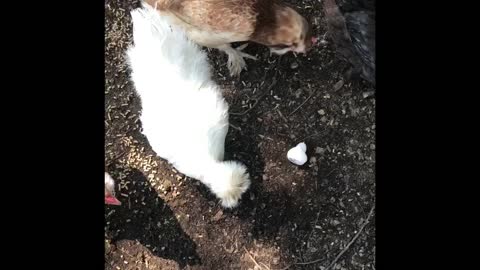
x: 228, y: 180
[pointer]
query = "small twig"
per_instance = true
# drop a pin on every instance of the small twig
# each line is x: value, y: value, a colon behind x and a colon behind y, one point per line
x: 330, y: 173
x: 305, y: 263
x: 314, y: 226
x: 353, y: 239
x: 309, y: 136
x: 344, y: 250
x: 237, y: 128
x: 264, y: 265
x: 281, y: 115
x: 257, y: 99
x: 253, y: 106
x: 302, y: 263
x: 303, y: 103
x: 285, y: 268
x: 274, y: 82
x: 251, y: 257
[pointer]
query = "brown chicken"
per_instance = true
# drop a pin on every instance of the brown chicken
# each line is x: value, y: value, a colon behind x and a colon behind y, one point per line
x: 217, y: 23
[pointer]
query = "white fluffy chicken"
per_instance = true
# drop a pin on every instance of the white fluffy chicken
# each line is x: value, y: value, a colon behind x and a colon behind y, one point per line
x: 110, y: 191
x: 184, y: 116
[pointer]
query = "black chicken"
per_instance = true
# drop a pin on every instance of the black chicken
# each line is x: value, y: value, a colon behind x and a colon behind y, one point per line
x: 351, y: 25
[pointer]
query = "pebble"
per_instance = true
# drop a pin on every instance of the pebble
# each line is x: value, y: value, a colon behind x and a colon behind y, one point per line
x: 319, y: 150
x: 167, y: 185
x: 218, y: 216
x: 338, y: 85
x: 297, y: 155
x: 368, y: 94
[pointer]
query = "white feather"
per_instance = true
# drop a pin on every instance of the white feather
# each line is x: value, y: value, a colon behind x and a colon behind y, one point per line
x: 109, y: 183
x: 184, y: 116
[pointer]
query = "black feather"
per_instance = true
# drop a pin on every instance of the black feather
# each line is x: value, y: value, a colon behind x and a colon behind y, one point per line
x: 352, y: 28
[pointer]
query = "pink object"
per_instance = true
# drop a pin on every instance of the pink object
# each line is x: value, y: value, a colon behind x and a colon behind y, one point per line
x: 112, y: 200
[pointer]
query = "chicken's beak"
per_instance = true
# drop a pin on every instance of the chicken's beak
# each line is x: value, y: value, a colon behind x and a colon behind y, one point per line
x: 304, y: 51
x: 112, y: 200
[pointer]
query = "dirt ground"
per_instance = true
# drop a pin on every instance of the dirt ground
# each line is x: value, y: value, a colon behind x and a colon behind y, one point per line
x: 292, y: 217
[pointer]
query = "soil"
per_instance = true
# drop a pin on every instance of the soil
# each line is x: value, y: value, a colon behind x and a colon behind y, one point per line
x: 292, y: 217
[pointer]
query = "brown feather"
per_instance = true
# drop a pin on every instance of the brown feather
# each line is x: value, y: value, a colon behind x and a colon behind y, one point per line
x: 217, y: 23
